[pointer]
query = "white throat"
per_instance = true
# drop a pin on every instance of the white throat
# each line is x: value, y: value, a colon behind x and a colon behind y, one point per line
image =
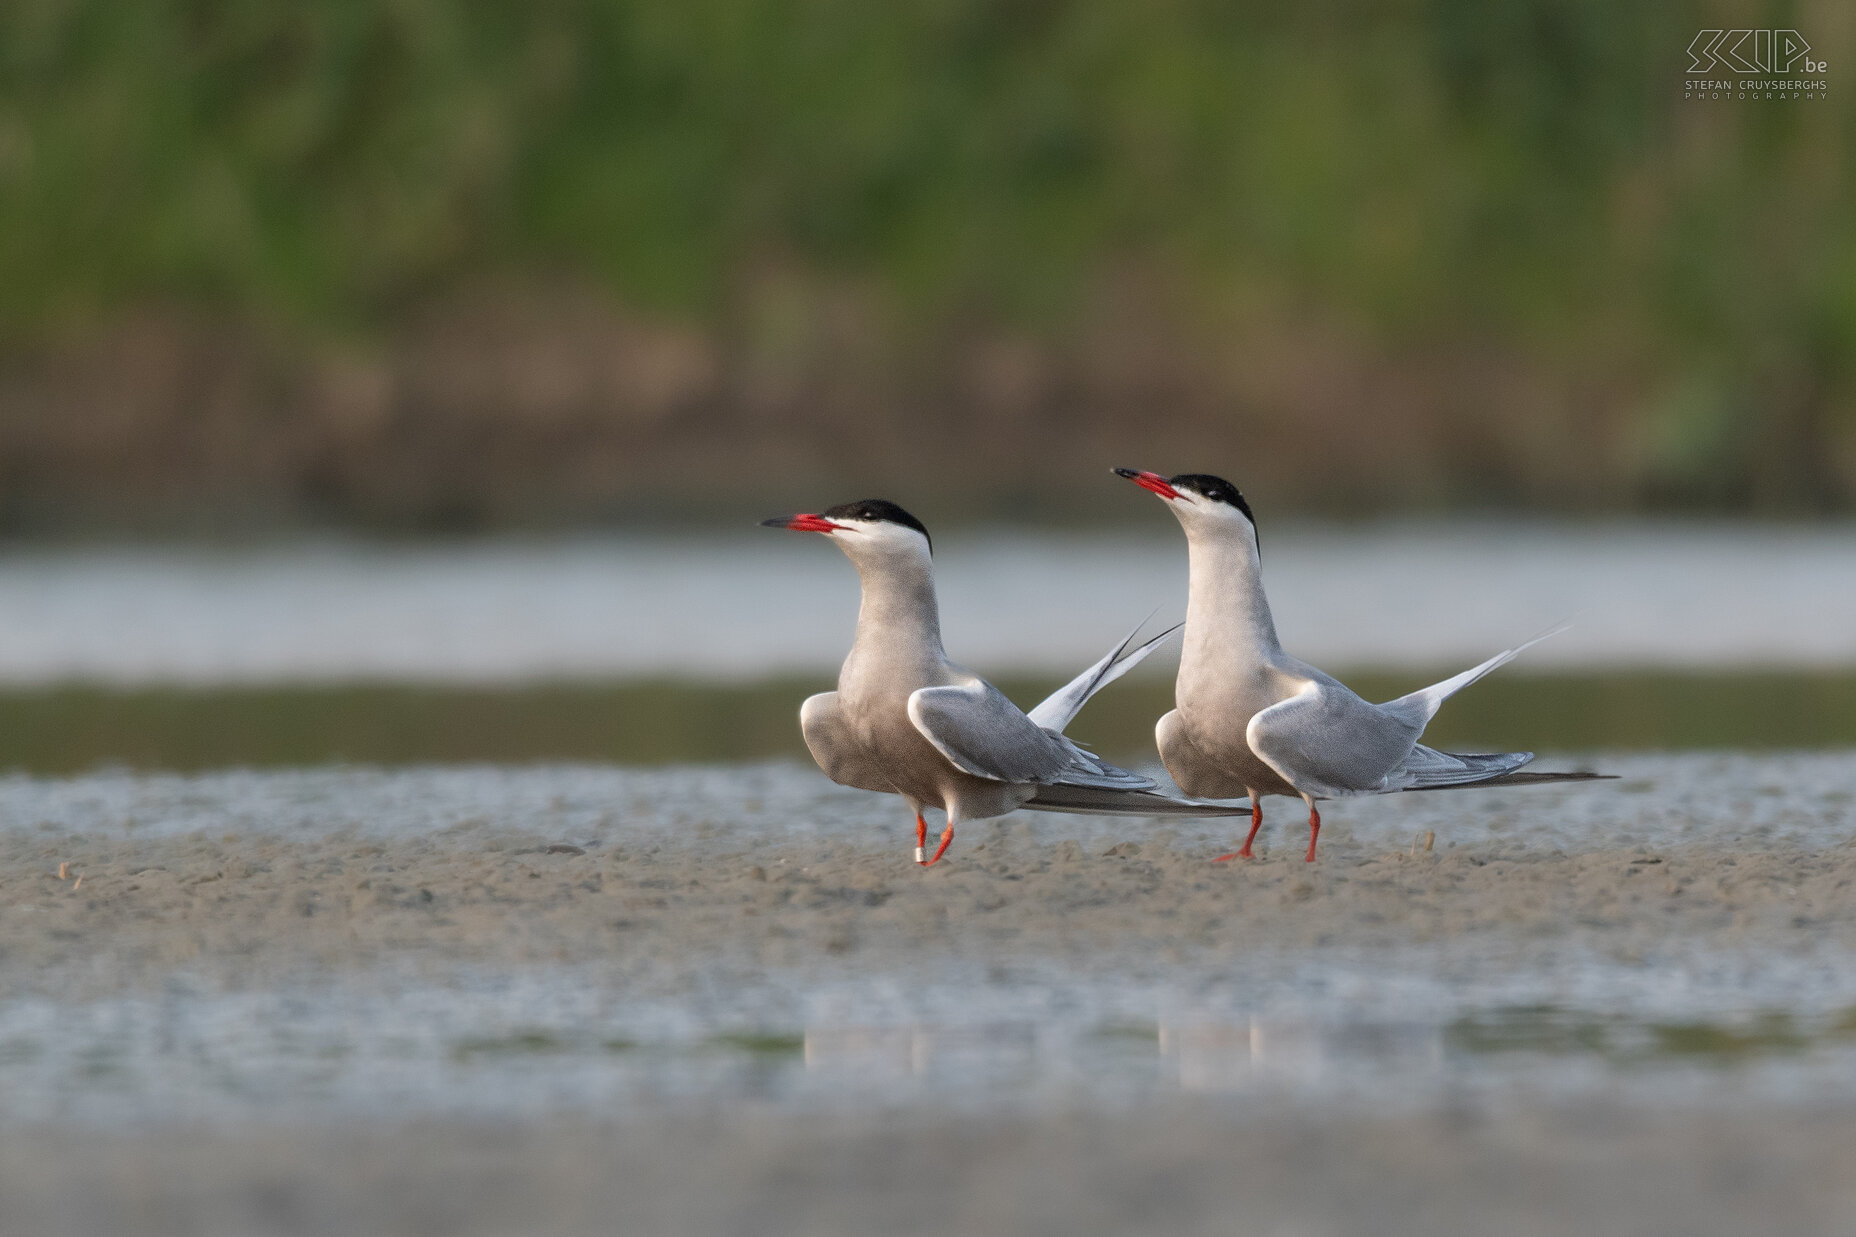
x: 899, y: 617
x: 1227, y: 616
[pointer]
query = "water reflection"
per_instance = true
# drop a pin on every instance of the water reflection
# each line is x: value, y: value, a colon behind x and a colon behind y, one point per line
x: 1347, y: 1058
x: 920, y: 1051
x: 1223, y: 1057
x: 229, y: 1057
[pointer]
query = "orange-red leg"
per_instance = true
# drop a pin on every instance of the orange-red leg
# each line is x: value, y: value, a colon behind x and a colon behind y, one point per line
x: 1256, y: 823
x: 947, y: 835
x: 921, y: 837
x: 1314, y: 830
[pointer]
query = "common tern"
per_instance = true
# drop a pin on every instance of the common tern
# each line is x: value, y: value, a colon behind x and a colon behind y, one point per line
x: 1250, y: 719
x: 907, y: 721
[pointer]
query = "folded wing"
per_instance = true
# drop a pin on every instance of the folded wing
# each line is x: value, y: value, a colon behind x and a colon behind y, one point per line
x: 1326, y: 741
x: 1429, y: 769
x: 984, y: 734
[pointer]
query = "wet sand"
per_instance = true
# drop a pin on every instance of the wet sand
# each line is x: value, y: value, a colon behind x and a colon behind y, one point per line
x: 235, y: 912
x: 240, y: 879
x: 355, y: 1000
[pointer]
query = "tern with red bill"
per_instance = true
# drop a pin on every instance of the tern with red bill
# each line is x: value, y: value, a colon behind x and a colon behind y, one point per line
x: 1249, y: 719
x: 907, y: 721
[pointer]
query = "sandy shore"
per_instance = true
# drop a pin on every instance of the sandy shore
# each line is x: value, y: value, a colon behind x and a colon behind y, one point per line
x: 724, y: 1001
x: 240, y: 910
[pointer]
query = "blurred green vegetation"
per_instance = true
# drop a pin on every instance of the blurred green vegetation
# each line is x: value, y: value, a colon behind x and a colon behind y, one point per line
x: 1529, y: 160
x: 1515, y: 172
x: 1556, y: 1031
x: 67, y: 730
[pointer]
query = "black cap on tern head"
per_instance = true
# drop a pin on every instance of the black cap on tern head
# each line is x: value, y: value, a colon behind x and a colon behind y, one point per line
x: 878, y: 509
x: 1217, y: 489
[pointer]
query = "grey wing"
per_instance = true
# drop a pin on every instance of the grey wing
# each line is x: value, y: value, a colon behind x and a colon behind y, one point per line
x: 1101, y: 801
x: 984, y: 734
x: 1324, y: 740
x: 829, y: 739
x: 1429, y: 769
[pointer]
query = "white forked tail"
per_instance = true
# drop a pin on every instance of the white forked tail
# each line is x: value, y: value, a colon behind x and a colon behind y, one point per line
x: 1420, y: 706
x: 1062, y: 706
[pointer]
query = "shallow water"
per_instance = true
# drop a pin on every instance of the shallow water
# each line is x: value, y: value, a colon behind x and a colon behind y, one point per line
x: 727, y: 607
x: 546, y: 1044
x: 168, y: 1021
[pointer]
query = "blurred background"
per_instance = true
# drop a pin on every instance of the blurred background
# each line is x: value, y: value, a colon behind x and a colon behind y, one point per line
x: 330, y: 330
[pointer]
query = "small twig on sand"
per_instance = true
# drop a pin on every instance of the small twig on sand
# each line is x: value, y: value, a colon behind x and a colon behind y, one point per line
x: 61, y: 870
